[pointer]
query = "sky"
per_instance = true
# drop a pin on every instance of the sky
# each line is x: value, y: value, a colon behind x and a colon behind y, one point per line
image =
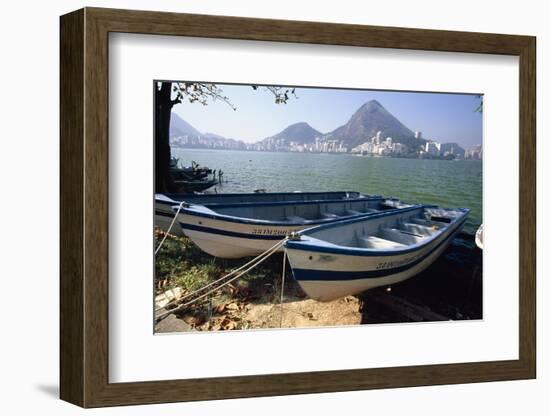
x: 439, y: 116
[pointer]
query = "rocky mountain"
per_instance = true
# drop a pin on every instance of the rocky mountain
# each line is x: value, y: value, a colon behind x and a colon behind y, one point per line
x: 298, y: 133
x: 370, y: 118
x: 180, y: 127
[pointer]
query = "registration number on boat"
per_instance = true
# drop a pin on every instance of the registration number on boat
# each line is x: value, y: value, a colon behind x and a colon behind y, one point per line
x: 396, y: 263
x: 267, y: 231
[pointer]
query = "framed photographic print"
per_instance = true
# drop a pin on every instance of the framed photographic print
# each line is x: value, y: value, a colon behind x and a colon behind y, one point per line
x: 334, y: 207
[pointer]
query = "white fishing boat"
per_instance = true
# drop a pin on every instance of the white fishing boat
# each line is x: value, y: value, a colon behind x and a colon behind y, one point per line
x: 479, y: 237
x: 348, y: 257
x: 246, y: 229
x: 164, y: 203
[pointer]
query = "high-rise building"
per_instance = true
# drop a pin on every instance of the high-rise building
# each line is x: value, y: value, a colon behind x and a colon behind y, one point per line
x: 417, y: 134
x: 433, y: 148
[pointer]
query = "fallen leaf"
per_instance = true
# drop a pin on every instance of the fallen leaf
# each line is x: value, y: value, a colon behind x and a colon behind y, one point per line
x: 194, y: 320
x: 219, y: 308
x: 229, y: 326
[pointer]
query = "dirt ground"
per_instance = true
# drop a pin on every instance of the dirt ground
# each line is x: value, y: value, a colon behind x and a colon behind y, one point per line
x: 300, y: 313
x: 250, y: 312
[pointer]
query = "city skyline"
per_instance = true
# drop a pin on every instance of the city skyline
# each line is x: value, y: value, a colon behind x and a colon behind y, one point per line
x: 442, y: 117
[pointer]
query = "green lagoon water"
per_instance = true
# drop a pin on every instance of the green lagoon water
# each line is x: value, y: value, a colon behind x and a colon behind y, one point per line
x: 453, y: 184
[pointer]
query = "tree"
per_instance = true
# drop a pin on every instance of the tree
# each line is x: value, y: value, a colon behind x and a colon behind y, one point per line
x: 479, y: 108
x: 167, y: 95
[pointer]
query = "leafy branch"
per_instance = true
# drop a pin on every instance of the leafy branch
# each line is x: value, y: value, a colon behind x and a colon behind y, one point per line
x: 479, y: 108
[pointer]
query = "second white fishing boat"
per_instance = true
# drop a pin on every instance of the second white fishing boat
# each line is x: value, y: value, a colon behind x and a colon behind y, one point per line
x: 348, y: 257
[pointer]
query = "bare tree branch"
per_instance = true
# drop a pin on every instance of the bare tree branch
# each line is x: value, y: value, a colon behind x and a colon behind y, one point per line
x: 197, y: 92
x: 281, y: 94
x: 203, y: 93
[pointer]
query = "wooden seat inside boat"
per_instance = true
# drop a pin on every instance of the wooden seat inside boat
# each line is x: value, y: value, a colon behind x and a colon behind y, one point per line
x: 400, y: 236
x: 432, y: 224
x: 371, y: 241
x: 416, y: 229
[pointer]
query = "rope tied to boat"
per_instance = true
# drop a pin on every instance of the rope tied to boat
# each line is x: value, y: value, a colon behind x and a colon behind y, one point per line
x: 283, y: 286
x: 221, y: 282
x: 182, y: 203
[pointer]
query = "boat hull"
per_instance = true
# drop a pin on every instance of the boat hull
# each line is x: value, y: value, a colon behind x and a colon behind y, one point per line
x: 233, y: 240
x: 163, y: 219
x: 198, y: 185
x: 325, y: 277
x: 479, y: 237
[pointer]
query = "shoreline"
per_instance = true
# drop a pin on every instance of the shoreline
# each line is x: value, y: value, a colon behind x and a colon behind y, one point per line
x: 450, y: 289
x: 324, y: 153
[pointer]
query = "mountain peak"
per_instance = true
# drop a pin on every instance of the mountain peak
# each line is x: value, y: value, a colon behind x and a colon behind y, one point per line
x: 301, y: 124
x: 372, y: 104
x: 370, y: 118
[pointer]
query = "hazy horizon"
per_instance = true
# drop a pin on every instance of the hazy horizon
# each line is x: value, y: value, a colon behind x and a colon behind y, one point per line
x: 442, y: 117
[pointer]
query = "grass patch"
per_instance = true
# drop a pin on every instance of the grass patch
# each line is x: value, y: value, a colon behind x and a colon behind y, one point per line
x: 181, y: 263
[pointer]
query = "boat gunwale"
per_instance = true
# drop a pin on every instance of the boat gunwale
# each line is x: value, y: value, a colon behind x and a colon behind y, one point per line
x: 370, y: 274
x: 170, y: 194
x: 308, y: 245
x: 279, y: 203
x: 175, y: 204
x: 244, y: 220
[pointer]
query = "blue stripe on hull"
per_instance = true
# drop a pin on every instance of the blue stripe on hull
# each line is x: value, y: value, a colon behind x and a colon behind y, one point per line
x: 331, y: 275
x: 164, y: 214
x: 230, y: 233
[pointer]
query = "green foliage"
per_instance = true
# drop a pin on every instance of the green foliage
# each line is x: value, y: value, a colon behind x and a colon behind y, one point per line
x: 193, y: 278
x: 479, y: 108
x: 181, y: 263
x: 177, y: 256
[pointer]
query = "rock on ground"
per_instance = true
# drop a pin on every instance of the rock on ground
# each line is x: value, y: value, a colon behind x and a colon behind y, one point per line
x: 172, y: 324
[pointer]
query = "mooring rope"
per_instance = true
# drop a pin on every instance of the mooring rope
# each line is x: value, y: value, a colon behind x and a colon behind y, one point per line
x: 182, y: 203
x: 240, y: 272
x: 283, y: 287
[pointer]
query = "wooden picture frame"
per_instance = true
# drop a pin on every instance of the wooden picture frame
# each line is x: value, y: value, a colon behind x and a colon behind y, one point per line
x: 84, y: 207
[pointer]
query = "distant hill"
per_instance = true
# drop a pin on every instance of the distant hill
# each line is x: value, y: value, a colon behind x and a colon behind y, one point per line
x: 183, y: 134
x: 180, y: 127
x: 370, y: 118
x: 452, y: 148
x: 300, y: 133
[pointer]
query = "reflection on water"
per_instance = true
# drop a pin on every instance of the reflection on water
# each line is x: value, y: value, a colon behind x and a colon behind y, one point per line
x: 446, y: 183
